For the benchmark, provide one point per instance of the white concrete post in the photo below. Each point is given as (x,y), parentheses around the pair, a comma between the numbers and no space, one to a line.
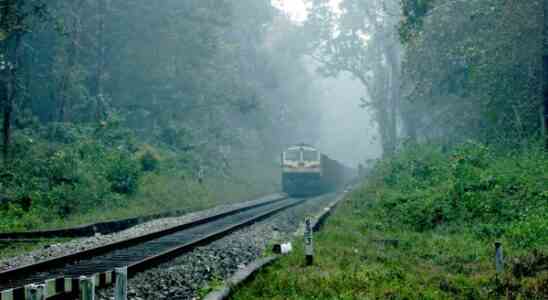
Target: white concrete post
(120,292)
(34,292)
(87,288)
(7,294)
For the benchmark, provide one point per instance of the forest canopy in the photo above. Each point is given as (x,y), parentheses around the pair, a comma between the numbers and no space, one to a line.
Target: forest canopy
(97,96)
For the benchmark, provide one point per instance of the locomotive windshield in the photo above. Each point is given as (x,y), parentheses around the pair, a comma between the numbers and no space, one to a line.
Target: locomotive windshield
(310,155)
(294,155)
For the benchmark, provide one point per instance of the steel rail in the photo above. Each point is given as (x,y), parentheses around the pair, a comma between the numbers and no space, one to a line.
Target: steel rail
(208,238)
(11,278)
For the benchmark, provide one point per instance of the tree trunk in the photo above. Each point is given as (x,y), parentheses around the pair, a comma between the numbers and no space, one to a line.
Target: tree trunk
(72,58)
(384,112)
(395,89)
(411,123)
(7,108)
(543,122)
(391,95)
(544,106)
(98,88)
(5,79)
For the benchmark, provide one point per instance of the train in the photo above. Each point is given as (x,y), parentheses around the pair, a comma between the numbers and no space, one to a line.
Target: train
(307,172)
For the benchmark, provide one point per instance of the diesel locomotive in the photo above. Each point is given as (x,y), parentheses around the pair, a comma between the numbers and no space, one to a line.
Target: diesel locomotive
(306,171)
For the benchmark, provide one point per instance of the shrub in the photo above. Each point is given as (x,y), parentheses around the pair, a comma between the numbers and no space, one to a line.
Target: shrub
(63,167)
(493,193)
(149,158)
(75,174)
(122,172)
(64,133)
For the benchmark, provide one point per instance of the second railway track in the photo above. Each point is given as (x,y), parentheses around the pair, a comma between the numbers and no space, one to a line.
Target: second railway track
(144,252)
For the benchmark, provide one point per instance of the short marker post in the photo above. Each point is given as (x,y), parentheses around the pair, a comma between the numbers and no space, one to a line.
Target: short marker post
(68,285)
(35,292)
(87,288)
(6,295)
(121,284)
(308,241)
(499,258)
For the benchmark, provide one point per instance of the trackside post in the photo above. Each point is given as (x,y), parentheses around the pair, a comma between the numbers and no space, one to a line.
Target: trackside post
(499,258)
(121,284)
(87,288)
(308,241)
(34,292)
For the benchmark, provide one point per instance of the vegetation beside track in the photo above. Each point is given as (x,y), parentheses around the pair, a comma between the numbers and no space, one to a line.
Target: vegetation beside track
(423,227)
(64,175)
(14,248)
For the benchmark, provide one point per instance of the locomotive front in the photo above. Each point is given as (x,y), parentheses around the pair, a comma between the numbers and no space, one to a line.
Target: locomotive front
(301,170)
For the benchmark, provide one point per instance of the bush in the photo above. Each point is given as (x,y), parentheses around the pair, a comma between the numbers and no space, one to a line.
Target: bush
(123,172)
(149,158)
(67,174)
(63,172)
(64,133)
(493,193)
(62,167)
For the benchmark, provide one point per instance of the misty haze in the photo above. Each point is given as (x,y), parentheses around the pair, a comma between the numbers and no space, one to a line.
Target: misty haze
(274,149)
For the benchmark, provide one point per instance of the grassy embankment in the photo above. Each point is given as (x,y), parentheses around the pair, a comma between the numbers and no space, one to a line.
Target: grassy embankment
(423,227)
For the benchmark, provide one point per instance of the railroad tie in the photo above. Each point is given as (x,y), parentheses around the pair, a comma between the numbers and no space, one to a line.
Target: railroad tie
(6,295)
(58,286)
(13,294)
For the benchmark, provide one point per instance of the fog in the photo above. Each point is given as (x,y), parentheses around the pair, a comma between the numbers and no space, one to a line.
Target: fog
(105,102)
(347,131)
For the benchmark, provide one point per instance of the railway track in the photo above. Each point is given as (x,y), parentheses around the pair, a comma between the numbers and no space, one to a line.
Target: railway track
(137,254)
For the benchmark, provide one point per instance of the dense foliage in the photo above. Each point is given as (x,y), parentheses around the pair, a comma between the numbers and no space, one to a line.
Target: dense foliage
(441,70)
(99,98)
(474,69)
(493,194)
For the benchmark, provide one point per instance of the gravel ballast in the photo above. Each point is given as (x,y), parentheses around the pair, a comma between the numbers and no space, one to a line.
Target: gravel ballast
(75,245)
(194,274)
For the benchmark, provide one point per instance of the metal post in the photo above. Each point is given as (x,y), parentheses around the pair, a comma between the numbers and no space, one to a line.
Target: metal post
(121,284)
(6,295)
(87,288)
(34,292)
(308,241)
(499,258)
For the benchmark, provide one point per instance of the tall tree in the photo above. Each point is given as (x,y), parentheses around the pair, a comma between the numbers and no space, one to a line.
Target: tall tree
(544,108)
(361,39)
(15,20)
(465,74)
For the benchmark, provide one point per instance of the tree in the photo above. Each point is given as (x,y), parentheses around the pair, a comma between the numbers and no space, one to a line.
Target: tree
(16,19)
(362,40)
(543,111)
(466,76)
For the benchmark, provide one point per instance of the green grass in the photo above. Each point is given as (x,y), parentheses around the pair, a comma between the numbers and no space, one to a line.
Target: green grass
(16,248)
(157,193)
(423,226)
(353,262)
